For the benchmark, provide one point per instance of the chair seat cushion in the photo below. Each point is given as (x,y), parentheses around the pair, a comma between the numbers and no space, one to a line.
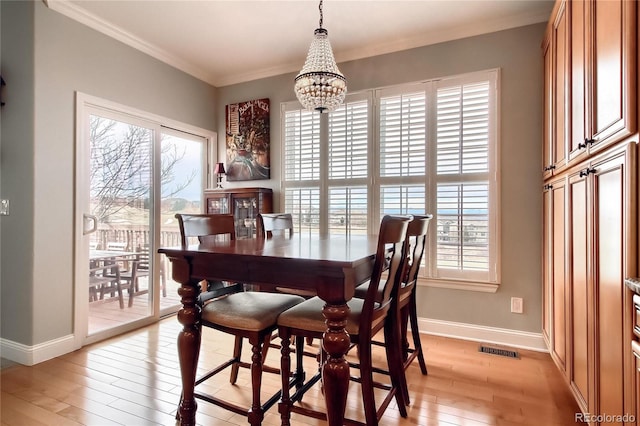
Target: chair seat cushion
(251,311)
(308,316)
(361,290)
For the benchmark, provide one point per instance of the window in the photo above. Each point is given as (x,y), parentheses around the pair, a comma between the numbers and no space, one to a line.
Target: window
(429,147)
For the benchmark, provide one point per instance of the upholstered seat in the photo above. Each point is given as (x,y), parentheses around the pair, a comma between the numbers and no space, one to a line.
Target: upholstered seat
(308,316)
(249,311)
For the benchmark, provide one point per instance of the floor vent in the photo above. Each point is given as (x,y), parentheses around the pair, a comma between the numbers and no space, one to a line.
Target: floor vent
(498,351)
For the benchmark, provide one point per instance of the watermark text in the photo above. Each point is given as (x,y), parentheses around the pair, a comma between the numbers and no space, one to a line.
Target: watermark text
(604,418)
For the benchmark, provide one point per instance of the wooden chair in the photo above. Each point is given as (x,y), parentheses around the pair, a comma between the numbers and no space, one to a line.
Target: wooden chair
(278,223)
(366,318)
(250,315)
(268,225)
(406,300)
(104,277)
(138,268)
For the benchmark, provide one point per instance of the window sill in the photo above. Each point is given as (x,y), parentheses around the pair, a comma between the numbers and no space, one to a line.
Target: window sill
(459,285)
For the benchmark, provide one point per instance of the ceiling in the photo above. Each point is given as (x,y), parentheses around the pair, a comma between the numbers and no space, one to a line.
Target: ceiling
(225,42)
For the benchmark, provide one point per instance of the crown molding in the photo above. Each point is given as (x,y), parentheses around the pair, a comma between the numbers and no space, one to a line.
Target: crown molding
(81,15)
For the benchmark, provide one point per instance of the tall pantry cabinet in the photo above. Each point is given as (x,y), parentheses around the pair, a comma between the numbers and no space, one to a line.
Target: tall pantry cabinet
(590,197)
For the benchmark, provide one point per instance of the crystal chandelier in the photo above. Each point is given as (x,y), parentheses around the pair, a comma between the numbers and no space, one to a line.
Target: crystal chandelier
(320,85)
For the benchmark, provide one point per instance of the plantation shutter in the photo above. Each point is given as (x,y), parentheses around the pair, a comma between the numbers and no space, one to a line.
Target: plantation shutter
(462,149)
(301,167)
(348,150)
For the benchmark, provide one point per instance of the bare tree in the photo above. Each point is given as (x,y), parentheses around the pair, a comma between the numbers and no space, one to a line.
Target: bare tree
(121,169)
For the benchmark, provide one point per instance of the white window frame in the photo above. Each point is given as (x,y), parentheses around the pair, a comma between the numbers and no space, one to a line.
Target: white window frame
(486,281)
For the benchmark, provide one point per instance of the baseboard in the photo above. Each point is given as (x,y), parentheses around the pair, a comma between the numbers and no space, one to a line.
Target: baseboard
(31,355)
(478,333)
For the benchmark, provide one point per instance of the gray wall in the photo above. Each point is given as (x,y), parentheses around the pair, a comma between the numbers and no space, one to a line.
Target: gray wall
(517,53)
(46,59)
(16,169)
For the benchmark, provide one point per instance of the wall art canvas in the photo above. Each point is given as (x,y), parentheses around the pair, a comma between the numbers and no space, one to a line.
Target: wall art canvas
(247,140)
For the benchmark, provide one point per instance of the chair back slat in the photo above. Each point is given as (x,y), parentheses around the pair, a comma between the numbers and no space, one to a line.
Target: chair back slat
(279,223)
(205,225)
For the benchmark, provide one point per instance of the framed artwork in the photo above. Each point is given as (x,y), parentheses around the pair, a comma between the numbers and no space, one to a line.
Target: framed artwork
(247,140)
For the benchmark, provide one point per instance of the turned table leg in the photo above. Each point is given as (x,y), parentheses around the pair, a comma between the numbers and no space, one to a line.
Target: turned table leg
(335,371)
(189,340)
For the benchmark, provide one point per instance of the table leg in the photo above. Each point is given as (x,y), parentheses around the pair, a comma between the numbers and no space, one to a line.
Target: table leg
(189,340)
(335,371)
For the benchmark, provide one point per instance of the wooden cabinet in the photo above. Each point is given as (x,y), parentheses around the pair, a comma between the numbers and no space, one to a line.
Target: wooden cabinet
(578,79)
(612,80)
(243,203)
(590,247)
(589,162)
(590,60)
(614,221)
(555,283)
(603,74)
(556,61)
(580,222)
(635,348)
(635,352)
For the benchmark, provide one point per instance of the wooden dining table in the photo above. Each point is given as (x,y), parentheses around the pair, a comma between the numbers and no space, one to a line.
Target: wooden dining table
(331,265)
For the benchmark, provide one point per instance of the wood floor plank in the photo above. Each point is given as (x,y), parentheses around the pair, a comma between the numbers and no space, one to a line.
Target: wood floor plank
(134,379)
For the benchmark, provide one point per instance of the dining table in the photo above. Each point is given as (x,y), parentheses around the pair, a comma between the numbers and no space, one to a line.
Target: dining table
(331,265)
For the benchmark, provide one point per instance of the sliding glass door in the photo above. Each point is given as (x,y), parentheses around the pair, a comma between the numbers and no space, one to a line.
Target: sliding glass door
(134,173)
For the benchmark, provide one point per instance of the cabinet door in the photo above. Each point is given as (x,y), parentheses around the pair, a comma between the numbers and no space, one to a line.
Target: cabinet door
(580,243)
(547,266)
(635,347)
(217,204)
(547,142)
(245,211)
(614,219)
(613,74)
(561,61)
(559,288)
(578,135)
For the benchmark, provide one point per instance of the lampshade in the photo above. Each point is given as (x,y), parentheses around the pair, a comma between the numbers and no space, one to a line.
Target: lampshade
(219,169)
(320,85)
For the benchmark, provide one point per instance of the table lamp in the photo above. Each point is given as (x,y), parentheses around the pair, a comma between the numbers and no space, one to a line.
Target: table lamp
(219,171)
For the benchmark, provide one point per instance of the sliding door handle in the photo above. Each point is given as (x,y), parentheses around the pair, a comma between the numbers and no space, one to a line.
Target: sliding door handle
(89,224)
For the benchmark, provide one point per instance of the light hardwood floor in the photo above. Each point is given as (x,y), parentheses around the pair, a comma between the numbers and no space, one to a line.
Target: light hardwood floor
(134,380)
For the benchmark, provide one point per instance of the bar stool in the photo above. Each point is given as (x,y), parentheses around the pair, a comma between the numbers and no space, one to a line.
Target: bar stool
(249,315)
(367,317)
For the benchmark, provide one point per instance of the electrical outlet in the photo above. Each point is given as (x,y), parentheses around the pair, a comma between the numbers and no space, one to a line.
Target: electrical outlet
(516,305)
(4,207)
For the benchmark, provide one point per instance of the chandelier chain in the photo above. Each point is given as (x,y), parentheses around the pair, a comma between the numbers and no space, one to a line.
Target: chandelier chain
(320,8)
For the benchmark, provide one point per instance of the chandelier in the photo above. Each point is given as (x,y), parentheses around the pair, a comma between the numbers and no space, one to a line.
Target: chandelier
(320,86)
